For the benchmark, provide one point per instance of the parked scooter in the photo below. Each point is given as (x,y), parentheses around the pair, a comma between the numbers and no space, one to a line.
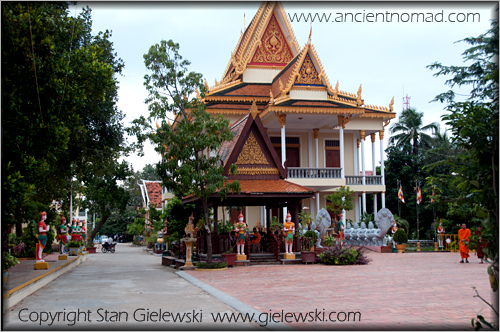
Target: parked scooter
(108,247)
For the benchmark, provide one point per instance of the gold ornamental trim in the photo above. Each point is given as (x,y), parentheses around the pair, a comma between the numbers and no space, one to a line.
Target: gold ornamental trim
(218,87)
(258,170)
(226,111)
(313,110)
(273,46)
(267,67)
(309,88)
(379,115)
(251,153)
(237,99)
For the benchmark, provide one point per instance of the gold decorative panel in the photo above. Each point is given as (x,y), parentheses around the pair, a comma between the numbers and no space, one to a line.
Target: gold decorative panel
(258,171)
(251,153)
(273,47)
(308,73)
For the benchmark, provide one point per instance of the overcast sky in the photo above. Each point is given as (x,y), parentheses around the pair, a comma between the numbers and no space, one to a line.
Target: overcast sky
(388,58)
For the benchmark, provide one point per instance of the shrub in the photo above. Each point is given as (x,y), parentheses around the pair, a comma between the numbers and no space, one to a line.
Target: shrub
(347,255)
(400,237)
(214,265)
(8,261)
(72,244)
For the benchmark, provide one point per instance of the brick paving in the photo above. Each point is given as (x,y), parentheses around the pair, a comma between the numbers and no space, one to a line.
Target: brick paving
(411,291)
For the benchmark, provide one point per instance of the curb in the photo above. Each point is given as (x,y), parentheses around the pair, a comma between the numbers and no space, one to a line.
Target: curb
(17,294)
(233,302)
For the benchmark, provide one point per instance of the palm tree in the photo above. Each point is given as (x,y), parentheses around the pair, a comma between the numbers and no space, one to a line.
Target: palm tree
(408,132)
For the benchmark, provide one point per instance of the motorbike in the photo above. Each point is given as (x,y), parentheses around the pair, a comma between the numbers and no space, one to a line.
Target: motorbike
(108,247)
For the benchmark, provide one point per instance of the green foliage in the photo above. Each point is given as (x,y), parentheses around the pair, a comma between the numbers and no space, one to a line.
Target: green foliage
(345,255)
(308,239)
(367,217)
(341,199)
(305,218)
(474,170)
(177,215)
(212,265)
(58,102)
(400,237)
(8,261)
(184,167)
(73,244)
(275,224)
(330,240)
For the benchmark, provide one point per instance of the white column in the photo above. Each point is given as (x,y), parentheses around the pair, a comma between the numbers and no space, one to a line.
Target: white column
(355,154)
(316,147)
(382,167)
(312,208)
(364,202)
(375,203)
(356,207)
(360,207)
(261,215)
(317,202)
(341,142)
(310,148)
(246,214)
(372,136)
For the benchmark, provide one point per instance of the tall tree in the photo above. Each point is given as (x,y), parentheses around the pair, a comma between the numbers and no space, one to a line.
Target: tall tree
(187,165)
(475,128)
(59,92)
(410,132)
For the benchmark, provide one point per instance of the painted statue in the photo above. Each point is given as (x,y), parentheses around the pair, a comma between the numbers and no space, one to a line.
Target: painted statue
(289,230)
(189,229)
(63,236)
(83,231)
(241,228)
(440,231)
(41,236)
(340,232)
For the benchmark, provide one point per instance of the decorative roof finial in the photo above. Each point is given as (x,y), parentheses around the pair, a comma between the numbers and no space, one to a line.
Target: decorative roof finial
(391,105)
(254,110)
(310,33)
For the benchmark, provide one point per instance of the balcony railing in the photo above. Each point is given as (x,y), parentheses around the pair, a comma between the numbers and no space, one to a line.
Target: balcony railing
(314,173)
(358,180)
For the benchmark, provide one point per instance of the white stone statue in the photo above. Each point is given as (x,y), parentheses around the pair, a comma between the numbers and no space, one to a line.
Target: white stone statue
(321,225)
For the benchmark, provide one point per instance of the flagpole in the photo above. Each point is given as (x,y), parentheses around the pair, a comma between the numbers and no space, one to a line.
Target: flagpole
(418,209)
(399,200)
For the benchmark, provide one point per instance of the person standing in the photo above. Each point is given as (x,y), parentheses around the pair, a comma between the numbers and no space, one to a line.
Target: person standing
(480,245)
(463,237)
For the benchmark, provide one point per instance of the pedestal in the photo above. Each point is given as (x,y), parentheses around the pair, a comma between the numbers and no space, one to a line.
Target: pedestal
(241,257)
(189,252)
(41,266)
(418,246)
(62,257)
(436,248)
(288,256)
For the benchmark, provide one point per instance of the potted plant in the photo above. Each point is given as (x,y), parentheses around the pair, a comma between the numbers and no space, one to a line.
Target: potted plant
(275,225)
(73,248)
(308,239)
(229,257)
(81,245)
(8,261)
(400,238)
(90,246)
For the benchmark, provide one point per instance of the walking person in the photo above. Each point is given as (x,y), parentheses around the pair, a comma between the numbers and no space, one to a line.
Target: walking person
(463,237)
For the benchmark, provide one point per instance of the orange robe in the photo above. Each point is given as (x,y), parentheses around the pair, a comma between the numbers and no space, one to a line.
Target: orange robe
(464,246)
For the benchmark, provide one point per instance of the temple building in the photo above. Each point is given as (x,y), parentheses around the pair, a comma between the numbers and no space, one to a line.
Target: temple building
(304,137)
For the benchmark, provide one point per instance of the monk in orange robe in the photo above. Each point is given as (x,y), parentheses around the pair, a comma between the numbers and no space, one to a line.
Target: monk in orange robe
(463,237)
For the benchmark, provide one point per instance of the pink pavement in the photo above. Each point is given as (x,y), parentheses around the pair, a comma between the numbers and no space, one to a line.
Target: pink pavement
(410,291)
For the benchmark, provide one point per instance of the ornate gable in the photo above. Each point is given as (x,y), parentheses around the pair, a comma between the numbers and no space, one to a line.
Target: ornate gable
(273,48)
(308,74)
(253,152)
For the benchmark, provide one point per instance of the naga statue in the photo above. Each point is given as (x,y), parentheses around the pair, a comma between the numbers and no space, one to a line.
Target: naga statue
(370,236)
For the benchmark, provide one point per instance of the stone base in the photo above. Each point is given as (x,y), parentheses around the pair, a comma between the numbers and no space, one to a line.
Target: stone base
(241,257)
(185,267)
(41,266)
(62,257)
(242,263)
(288,256)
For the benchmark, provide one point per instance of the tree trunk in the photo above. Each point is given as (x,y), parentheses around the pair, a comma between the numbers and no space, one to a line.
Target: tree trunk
(207,228)
(98,227)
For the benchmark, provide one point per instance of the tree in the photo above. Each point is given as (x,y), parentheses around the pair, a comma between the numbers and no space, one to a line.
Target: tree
(104,195)
(59,92)
(188,164)
(409,132)
(341,199)
(474,127)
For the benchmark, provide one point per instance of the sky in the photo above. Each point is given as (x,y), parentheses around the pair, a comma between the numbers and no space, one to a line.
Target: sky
(388,57)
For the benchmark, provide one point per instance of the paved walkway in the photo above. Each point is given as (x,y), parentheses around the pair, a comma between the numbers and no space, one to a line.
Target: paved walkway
(411,291)
(127,290)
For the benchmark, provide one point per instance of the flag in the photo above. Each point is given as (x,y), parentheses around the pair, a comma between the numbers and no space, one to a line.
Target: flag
(419,195)
(400,193)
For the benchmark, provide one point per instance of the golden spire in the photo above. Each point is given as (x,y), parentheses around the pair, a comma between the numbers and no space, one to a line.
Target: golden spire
(310,33)
(391,105)
(206,84)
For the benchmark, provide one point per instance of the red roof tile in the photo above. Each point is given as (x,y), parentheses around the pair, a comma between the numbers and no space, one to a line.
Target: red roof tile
(271,187)
(154,193)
